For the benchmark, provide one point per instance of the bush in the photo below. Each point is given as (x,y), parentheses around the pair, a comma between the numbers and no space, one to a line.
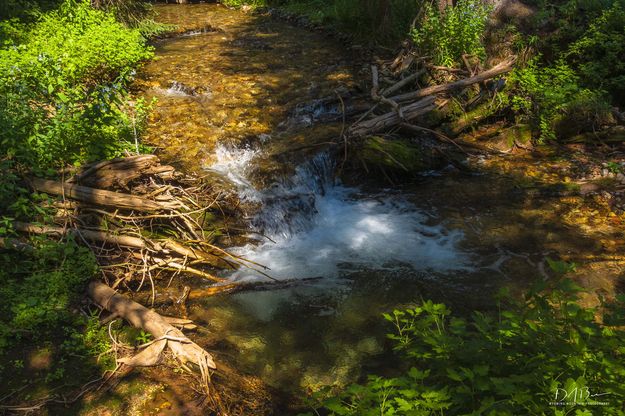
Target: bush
(63,86)
(599,53)
(549,97)
(544,350)
(458,31)
(380,21)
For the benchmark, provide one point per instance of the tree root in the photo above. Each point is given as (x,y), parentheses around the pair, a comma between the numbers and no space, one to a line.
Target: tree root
(164,333)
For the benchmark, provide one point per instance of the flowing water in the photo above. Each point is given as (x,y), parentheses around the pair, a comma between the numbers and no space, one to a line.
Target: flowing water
(231,99)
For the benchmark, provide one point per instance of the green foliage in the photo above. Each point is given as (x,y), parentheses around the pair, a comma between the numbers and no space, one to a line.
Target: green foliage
(384,22)
(550,97)
(25,9)
(38,287)
(63,80)
(449,35)
(129,12)
(544,349)
(598,53)
(63,87)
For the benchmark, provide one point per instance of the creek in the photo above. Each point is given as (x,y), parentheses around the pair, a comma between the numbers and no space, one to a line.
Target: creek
(237,97)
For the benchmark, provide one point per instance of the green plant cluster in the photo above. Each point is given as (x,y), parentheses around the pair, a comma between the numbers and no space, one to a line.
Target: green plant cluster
(543,355)
(64,71)
(39,291)
(63,83)
(38,287)
(458,30)
(578,72)
(552,99)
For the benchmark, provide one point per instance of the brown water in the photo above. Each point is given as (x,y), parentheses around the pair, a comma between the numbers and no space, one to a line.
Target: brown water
(233,98)
(236,83)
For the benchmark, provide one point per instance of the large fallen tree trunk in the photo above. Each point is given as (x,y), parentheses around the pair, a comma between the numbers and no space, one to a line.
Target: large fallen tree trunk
(501,68)
(392,118)
(99,196)
(164,333)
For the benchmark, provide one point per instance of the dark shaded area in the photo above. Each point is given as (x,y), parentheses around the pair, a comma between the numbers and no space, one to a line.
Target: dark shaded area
(25,9)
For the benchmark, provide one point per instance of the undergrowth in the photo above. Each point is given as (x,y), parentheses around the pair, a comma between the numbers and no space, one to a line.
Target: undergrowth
(64,72)
(542,355)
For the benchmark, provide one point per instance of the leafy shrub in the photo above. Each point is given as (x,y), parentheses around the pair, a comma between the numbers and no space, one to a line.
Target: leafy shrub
(598,54)
(25,9)
(542,350)
(384,22)
(63,87)
(551,96)
(447,36)
(379,21)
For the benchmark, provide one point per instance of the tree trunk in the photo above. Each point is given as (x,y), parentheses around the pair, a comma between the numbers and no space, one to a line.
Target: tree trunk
(98,196)
(165,334)
(501,68)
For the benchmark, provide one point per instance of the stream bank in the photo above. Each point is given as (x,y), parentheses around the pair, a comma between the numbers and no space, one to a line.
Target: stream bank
(232,99)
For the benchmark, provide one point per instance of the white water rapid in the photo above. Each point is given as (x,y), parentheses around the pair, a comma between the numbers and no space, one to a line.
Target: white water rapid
(323,229)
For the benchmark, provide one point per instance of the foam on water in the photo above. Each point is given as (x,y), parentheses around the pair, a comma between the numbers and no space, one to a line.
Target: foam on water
(324,230)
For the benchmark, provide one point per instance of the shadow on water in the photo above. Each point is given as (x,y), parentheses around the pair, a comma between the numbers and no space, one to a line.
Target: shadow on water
(241,84)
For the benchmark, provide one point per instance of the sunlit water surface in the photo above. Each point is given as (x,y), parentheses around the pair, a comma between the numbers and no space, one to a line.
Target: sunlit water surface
(231,97)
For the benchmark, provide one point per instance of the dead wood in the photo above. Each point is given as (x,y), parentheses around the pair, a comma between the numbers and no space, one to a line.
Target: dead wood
(120,172)
(14,244)
(165,334)
(100,197)
(163,246)
(391,119)
(501,68)
(402,83)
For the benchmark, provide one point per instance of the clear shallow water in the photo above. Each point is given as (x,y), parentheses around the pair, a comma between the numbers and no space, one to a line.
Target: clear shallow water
(229,101)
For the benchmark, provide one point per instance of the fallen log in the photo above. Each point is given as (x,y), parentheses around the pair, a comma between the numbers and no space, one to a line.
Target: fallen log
(164,333)
(392,118)
(90,235)
(14,244)
(402,83)
(99,196)
(501,68)
(116,239)
(120,163)
(118,173)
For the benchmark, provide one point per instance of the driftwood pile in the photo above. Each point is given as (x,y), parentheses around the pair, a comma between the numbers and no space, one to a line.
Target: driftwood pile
(404,100)
(144,221)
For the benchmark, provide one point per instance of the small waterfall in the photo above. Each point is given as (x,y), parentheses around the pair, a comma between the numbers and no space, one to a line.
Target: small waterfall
(321,228)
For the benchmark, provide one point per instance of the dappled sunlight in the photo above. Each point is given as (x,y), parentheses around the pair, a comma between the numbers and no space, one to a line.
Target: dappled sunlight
(239,81)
